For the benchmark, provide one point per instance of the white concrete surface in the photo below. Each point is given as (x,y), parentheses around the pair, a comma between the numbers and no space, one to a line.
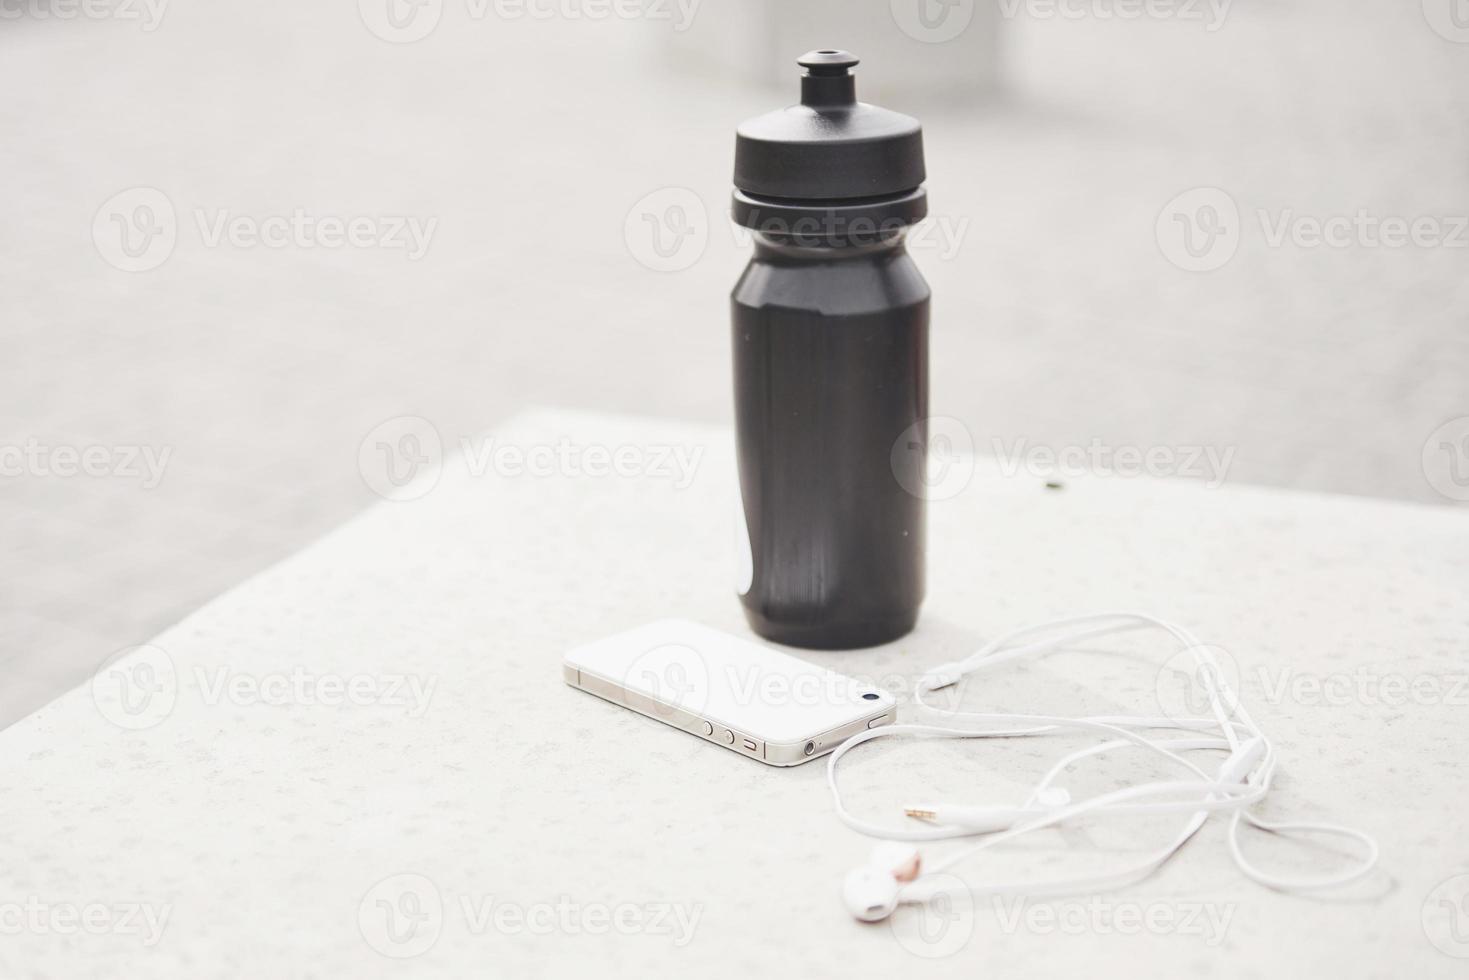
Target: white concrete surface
(466,812)
(1057,318)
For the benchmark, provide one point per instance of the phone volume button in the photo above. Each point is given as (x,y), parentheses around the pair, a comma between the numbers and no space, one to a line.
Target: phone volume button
(707,728)
(728,736)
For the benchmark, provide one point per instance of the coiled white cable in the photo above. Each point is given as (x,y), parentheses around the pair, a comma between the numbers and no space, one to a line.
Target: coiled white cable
(1243,780)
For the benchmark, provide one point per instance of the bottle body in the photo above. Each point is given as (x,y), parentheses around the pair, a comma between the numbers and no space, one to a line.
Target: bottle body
(831,397)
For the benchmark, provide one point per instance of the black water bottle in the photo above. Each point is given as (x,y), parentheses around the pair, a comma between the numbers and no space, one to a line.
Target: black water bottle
(831,366)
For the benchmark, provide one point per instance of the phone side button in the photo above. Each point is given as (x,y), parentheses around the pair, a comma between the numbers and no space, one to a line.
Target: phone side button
(750,745)
(879,720)
(728,736)
(706,728)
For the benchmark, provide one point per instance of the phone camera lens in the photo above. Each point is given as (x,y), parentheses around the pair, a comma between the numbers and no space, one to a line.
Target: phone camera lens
(869,696)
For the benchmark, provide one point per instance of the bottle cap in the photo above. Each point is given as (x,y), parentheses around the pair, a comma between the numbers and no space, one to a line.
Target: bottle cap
(829,160)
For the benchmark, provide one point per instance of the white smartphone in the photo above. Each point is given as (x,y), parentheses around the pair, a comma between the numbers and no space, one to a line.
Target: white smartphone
(747,697)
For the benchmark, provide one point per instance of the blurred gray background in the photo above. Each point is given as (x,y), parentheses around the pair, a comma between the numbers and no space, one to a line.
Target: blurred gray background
(549,140)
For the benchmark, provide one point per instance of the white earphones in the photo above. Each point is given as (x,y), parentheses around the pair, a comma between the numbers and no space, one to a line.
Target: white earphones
(871,891)
(893,875)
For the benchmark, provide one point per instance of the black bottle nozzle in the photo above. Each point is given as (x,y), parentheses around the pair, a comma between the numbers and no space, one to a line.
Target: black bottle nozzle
(828,82)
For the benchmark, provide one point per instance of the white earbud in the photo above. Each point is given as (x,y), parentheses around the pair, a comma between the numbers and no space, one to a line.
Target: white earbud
(871,891)
(871,894)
